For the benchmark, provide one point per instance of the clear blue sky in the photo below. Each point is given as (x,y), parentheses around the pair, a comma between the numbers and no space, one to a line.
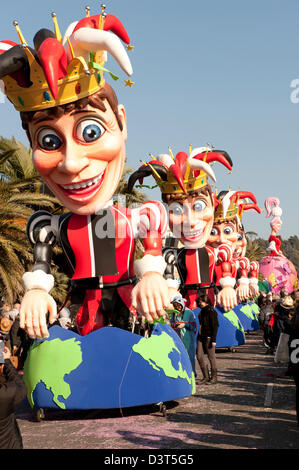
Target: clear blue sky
(216,71)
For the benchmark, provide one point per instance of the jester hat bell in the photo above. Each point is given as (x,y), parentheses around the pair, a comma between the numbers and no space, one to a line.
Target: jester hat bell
(60,70)
(183,173)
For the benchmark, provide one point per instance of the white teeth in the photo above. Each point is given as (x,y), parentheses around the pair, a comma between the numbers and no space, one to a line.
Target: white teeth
(83,185)
(193,234)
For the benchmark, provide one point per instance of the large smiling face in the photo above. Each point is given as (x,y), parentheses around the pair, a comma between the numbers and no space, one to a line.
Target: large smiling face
(191,219)
(80,155)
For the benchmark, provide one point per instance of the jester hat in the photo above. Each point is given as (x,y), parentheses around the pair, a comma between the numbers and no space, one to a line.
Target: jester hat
(232,204)
(183,173)
(60,70)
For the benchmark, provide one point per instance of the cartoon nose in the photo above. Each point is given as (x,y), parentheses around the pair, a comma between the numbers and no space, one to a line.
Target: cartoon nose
(190,218)
(223,237)
(74,160)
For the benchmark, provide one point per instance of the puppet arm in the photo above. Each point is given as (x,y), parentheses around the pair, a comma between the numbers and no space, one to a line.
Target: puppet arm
(253,278)
(150,295)
(243,281)
(227,296)
(37,302)
(170,259)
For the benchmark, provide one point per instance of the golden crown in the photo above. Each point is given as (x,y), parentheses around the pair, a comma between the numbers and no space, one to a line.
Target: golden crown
(63,70)
(183,173)
(181,178)
(232,204)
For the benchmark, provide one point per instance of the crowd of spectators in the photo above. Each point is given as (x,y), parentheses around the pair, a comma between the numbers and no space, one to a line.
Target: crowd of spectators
(277,312)
(279,315)
(14,337)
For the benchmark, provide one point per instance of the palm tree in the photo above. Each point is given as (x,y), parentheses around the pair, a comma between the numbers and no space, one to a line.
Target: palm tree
(16,161)
(61,286)
(15,251)
(254,251)
(19,197)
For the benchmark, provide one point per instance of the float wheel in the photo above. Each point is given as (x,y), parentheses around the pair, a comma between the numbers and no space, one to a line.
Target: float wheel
(39,414)
(162,408)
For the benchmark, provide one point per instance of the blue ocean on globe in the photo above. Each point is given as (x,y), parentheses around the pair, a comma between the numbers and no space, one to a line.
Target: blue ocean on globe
(247,316)
(230,331)
(109,368)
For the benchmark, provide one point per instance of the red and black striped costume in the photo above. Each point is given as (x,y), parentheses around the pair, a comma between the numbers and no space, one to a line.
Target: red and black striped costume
(198,269)
(99,250)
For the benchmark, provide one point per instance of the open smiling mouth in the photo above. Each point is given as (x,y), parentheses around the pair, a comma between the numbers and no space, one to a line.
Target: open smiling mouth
(194,235)
(83,190)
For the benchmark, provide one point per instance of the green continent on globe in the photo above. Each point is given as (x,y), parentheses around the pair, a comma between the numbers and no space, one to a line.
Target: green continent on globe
(49,362)
(255,308)
(247,310)
(155,350)
(232,317)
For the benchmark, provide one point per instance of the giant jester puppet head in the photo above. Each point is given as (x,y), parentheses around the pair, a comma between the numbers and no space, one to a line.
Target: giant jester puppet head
(183,181)
(72,118)
(228,226)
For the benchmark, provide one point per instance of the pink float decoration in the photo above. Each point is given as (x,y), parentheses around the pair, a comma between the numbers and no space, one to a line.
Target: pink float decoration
(275,268)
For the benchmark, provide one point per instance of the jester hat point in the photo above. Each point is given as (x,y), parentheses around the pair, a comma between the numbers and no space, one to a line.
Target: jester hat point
(60,70)
(183,173)
(232,204)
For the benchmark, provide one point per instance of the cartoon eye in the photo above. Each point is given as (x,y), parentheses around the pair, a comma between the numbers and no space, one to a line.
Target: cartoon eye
(48,139)
(214,231)
(228,230)
(89,130)
(199,205)
(176,209)
(239,237)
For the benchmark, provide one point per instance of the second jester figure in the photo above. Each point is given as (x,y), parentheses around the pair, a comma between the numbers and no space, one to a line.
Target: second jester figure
(183,181)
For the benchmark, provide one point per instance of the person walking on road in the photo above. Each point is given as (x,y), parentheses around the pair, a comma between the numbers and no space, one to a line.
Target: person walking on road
(206,339)
(12,393)
(184,323)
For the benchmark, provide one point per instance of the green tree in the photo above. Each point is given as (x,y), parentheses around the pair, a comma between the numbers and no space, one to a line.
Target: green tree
(254,250)
(16,161)
(19,197)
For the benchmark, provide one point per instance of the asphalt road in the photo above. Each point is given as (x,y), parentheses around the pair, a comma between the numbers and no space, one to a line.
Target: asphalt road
(251,407)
